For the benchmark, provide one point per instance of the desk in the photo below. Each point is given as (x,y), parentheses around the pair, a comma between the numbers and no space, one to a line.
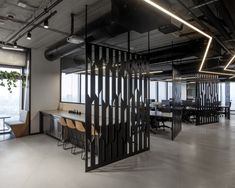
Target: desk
(226,110)
(4,130)
(65,114)
(161,117)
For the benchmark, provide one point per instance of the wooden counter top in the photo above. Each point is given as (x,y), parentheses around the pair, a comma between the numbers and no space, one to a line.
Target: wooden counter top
(65,114)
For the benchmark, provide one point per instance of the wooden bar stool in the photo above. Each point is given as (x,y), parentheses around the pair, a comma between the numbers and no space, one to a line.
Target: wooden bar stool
(81,142)
(72,134)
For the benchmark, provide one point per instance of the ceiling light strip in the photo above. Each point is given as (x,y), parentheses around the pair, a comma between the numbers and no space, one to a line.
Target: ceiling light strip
(229,63)
(192,27)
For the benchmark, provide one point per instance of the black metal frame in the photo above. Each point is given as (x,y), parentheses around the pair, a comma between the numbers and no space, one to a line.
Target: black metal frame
(121,118)
(207,99)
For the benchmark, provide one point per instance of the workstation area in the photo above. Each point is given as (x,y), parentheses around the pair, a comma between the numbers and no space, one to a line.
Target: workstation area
(110,93)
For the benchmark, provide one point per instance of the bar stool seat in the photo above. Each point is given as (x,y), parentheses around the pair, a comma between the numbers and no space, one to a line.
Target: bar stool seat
(81,137)
(72,135)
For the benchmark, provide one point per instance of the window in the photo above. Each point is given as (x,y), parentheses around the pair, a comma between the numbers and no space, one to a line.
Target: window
(161,91)
(222,93)
(183,91)
(11,103)
(232,95)
(169,85)
(153,90)
(70,88)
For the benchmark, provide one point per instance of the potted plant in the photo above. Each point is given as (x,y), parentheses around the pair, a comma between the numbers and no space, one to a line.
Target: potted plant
(9,79)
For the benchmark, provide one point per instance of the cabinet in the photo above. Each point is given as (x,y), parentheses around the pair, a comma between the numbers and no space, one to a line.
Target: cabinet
(49,125)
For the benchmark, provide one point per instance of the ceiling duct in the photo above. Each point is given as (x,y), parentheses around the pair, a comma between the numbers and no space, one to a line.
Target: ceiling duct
(124,15)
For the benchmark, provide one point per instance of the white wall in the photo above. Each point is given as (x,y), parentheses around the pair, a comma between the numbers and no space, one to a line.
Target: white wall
(45,84)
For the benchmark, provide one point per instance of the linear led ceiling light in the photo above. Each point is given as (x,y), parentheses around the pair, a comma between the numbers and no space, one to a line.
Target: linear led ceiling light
(232,77)
(192,27)
(229,63)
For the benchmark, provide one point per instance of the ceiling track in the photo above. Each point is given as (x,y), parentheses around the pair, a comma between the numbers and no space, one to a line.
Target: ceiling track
(39,23)
(34,20)
(39,26)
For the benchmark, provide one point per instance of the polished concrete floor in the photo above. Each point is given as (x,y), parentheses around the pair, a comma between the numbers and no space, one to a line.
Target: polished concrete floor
(200,157)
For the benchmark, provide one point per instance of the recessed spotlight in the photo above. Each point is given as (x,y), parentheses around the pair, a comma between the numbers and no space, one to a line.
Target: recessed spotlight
(11,15)
(46,25)
(29,36)
(22,4)
(15,44)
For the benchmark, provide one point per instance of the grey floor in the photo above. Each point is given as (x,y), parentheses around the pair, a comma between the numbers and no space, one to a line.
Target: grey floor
(200,157)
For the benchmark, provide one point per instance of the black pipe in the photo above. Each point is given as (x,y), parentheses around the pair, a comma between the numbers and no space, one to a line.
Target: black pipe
(35,19)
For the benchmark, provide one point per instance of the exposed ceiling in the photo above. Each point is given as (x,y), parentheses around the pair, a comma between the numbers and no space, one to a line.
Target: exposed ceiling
(216,17)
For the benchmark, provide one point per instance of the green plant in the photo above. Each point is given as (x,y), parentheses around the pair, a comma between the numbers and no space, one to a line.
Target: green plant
(11,78)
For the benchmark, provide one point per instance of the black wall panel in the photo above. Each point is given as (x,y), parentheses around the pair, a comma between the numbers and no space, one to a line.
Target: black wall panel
(207,98)
(116,105)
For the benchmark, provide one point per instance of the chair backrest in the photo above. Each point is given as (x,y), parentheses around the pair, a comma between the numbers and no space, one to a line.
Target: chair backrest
(165,103)
(23,116)
(93,131)
(80,127)
(62,122)
(70,124)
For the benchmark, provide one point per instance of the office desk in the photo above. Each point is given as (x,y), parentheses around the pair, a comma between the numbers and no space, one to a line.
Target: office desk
(226,110)
(162,117)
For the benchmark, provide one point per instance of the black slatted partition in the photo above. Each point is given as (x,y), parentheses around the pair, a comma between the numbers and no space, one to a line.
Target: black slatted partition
(227,93)
(207,86)
(177,108)
(116,105)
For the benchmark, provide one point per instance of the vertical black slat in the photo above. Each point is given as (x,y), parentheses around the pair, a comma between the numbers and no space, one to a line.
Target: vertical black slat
(148,104)
(111,126)
(118,125)
(131,104)
(137,105)
(102,140)
(88,106)
(115,107)
(135,108)
(132,107)
(145,97)
(121,130)
(141,108)
(95,114)
(99,77)
(129,77)
(107,98)
(125,133)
